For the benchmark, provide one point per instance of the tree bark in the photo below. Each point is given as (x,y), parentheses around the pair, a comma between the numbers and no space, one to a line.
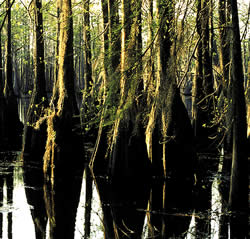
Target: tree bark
(202,114)
(150,68)
(129,110)
(238,195)
(39,100)
(34,137)
(225,103)
(55,93)
(87,48)
(11,102)
(203,92)
(64,140)
(111,94)
(168,131)
(3,132)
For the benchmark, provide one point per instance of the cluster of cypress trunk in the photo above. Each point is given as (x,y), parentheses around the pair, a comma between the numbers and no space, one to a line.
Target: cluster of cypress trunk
(143,130)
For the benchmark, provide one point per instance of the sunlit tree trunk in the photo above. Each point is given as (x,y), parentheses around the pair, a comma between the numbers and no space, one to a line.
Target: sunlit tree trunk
(39,100)
(64,141)
(224,45)
(238,196)
(128,161)
(87,47)
(150,74)
(55,94)
(111,79)
(128,114)
(34,138)
(88,102)
(112,44)
(169,135)
(105,14)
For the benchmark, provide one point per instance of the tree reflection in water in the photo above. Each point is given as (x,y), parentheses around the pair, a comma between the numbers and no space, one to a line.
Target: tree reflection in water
(106,210)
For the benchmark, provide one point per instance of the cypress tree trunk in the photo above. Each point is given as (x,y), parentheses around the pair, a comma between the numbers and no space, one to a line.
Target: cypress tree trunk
(150,74)
(238,195)
(128,125)
(34,138)
(55,93)
(223,104)
(88,103)
(12,109)
(112,52)
(203,83)
(87,47)
(64,142)
(112,45)
(8,85)
(203,114)
(105,15)
(3,133)
(169,136)
(128,161)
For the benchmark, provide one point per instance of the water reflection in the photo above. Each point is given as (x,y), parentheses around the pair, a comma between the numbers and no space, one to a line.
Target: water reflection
(6,184)
(123,204)
(33,181)
(125,209)
(14,212)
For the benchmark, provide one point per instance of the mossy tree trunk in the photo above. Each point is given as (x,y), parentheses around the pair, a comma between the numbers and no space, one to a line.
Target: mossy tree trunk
(128,161)
(150,66)
(111,80)
(105,14)
(238,195)
(169,136)
(112,45)
(63,158)
(34,138)
(55,93)
(88,108)
(128,125)
(203,92)
(87,47)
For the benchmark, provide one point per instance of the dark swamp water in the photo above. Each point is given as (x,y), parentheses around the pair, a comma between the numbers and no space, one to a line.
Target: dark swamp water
(98,209)
(128,209)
